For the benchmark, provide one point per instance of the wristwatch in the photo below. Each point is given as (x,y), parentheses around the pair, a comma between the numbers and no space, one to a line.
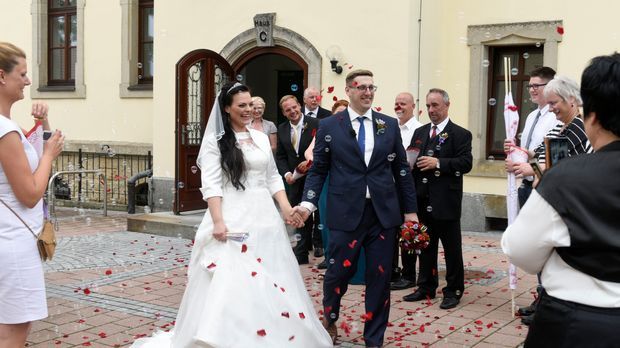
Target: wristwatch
(437,165)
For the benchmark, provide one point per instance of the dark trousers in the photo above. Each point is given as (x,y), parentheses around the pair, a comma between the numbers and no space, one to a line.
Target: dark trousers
(560,323)
(524,191)
(317,237)
(344,250)
(449,232)
(408,260)
(305,243)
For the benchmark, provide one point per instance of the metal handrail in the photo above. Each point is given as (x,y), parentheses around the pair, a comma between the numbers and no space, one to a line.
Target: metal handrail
(50,189)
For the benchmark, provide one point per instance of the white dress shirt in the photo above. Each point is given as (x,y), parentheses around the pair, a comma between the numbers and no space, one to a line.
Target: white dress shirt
(407,130)
(314,112)
(545,123)
(530,242)
(440,127)
(369,134)
(299,127)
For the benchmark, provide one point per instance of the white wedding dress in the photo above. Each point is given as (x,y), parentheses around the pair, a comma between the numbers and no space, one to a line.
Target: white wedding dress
(244,294)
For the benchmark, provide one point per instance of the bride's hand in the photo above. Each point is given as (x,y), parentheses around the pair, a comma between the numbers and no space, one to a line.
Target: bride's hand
(219,231)
(291,217)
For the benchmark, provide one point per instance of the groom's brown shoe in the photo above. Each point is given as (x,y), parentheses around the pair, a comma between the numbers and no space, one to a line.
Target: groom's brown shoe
(332,330)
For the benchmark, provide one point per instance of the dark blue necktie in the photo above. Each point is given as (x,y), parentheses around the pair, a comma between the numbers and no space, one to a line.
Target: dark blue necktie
(361,135)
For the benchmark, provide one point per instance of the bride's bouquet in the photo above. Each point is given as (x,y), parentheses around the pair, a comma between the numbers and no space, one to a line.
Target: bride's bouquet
(414,237)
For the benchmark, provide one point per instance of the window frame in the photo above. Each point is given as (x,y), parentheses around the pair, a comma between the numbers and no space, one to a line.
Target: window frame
(40,68)
(480,38)
(129,86)
(144,4)
(66,12)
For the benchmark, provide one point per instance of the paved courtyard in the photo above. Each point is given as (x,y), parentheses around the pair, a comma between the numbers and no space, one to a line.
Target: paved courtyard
(106,287)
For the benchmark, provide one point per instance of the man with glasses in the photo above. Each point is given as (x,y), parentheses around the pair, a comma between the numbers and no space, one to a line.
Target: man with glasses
(363,153)
(312,104)
(538,123)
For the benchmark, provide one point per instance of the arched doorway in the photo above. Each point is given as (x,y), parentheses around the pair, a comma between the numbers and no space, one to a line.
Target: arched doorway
(272,72)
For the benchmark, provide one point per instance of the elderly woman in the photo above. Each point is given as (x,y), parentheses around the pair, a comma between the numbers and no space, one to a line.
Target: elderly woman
(23,180)
(262,125)
(569,230)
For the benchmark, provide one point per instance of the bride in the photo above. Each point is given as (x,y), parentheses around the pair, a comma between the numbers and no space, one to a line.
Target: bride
(244,286)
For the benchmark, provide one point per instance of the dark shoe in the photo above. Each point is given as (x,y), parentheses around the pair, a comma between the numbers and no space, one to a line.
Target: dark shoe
(449,302)
(402,284)
(318,252)
(395,275)
(322,265)
(302,260)
(332,330)
(527,311)
(417,296)
(528,320)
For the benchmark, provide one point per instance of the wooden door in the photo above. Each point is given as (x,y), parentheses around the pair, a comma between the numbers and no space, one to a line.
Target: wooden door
(200,75)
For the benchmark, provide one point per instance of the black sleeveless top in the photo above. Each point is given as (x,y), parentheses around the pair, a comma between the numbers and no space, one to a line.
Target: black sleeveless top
(585,191)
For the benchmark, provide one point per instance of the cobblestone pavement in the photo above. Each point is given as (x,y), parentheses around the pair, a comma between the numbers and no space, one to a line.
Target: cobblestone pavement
(106,287)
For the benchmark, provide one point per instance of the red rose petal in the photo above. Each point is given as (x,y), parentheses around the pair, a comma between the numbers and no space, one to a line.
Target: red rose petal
(367,317)
(285,314)
(382,236)
(352,244)
(291,338)
(108,272)
(261,333)
(337,290)
(244,248)
(381,270)
(212,265)
(421,328)
(345,327)
(86,291)
(302,315)
(346,263)
(102,335)
(328,309)
(330,89)
(478,322)
(378,108)
(335,98)
(86,344)
(282,289)
(259,260)
(560,30)
(254,274)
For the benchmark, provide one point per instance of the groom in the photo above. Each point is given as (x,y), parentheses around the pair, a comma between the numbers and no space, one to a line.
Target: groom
(369,189)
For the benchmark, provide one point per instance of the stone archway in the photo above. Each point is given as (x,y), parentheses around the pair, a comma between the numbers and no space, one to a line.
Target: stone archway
(245,41)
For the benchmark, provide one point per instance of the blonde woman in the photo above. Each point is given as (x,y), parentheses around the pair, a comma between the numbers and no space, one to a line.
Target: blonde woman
(262,125)
(23,179)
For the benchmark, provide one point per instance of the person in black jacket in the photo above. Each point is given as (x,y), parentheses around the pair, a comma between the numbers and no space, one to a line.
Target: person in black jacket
(444,157)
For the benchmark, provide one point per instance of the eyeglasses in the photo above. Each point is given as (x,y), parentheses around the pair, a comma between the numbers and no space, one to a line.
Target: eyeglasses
(535,86)
(363,88)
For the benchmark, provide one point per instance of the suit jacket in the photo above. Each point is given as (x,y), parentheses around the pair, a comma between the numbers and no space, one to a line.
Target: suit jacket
(286,157)
(336,152)
(442,189)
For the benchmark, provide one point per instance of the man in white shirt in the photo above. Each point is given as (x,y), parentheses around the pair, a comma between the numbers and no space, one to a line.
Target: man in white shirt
(538,123)
(404,107)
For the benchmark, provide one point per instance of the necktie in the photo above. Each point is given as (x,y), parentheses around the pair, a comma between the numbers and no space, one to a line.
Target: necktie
(310,114)
(361,135)
(529,135)
(434,132)
(294,138)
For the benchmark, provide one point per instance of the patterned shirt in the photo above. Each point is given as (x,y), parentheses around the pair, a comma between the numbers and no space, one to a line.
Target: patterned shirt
(576,135)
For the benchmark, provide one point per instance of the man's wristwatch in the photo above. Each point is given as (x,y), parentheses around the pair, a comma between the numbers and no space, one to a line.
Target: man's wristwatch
(437,165)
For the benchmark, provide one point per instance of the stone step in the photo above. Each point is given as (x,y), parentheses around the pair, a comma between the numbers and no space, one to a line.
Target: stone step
(166,223)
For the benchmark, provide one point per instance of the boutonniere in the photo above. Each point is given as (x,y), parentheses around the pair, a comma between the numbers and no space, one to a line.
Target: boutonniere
(442,137)
(313,134)
(381,127)
(303,129)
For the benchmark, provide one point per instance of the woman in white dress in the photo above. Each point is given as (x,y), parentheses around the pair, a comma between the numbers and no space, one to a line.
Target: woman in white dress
(23,180)
(242,293)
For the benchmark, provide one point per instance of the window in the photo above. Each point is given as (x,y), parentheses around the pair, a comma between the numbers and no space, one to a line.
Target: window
(62,42)
(58,49)
(137,41)
(523,60)
(145,43)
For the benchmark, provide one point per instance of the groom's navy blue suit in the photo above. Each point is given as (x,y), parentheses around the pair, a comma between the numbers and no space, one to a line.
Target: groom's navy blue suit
(356,221)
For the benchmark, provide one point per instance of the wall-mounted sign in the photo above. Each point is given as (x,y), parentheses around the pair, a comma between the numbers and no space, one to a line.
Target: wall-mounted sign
(263,24)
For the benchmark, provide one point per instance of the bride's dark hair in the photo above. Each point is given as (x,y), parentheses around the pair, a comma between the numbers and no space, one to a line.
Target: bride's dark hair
(231,158)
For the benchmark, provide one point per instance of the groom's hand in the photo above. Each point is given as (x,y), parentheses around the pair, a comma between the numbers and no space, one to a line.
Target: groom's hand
(412,217)
(304,213)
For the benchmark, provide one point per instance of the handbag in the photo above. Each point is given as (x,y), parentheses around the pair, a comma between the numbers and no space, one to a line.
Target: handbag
(46,241)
